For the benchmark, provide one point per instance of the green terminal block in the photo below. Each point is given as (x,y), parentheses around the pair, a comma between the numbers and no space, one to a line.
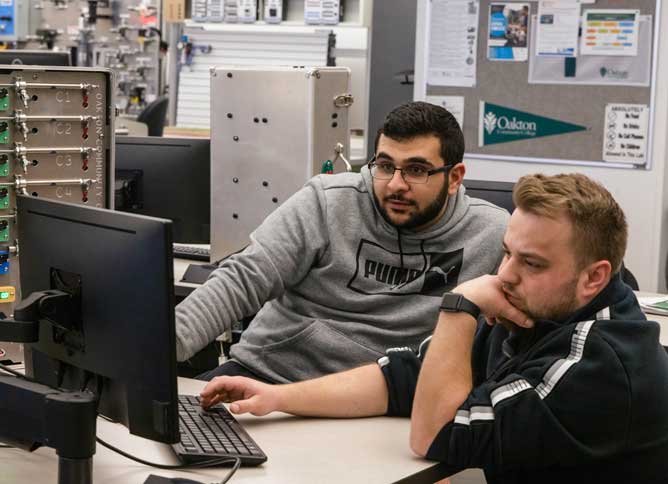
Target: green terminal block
(4,198)
(4,133)
(4,164)
(4,99)
(327,167)
(4,230)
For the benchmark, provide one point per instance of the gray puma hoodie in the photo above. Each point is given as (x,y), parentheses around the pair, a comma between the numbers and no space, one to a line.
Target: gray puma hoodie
(334,284)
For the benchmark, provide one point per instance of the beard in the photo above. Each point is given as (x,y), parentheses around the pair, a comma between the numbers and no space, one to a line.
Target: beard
(555,309)
(420,217)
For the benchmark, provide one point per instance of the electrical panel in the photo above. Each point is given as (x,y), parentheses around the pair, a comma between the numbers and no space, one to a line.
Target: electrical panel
(273,11)
(56,141)
(272,128)
(244,11)
(328,12)
(133,53)
(122,35)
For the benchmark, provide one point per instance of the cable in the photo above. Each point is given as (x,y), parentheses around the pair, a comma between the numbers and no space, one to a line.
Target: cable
(205,463)
(17,374)
(234,469)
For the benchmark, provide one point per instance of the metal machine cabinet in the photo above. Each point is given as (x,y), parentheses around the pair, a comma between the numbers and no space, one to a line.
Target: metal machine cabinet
(272,128)
(56,141)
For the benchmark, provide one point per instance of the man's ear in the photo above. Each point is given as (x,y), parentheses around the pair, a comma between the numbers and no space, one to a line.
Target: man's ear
(594,278)
(455,178)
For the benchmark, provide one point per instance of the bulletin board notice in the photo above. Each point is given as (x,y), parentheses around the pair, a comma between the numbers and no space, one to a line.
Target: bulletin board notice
(548,81)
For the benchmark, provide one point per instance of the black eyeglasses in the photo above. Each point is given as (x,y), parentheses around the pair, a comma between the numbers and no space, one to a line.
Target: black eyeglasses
(411,173)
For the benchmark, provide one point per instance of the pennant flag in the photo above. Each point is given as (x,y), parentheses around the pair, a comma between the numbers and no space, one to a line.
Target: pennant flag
(499,124)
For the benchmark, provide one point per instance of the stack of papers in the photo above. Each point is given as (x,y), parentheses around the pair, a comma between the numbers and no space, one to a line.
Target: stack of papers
(654,305)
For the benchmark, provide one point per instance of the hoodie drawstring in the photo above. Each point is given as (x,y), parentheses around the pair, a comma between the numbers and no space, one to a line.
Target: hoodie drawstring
(401,251)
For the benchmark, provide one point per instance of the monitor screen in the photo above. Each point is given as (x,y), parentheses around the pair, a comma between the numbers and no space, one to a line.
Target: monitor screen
(498,193)
(114,334)
(35,57)
(167,178)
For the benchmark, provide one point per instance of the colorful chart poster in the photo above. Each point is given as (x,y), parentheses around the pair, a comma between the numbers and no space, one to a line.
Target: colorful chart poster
(610,32)
(500,124)
(625,135)
(508,30)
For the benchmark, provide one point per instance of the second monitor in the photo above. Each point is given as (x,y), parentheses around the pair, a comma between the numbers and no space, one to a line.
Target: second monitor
(35,57)
(166,178)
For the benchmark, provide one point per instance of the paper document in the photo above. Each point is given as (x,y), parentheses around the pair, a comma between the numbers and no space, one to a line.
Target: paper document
(558,25)
(454,104)
(452,42)
(610,32)
(625,134)
(654,305)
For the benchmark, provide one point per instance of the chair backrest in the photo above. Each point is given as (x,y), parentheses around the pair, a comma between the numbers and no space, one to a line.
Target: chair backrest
(498,193)
(154,116)
(628,278)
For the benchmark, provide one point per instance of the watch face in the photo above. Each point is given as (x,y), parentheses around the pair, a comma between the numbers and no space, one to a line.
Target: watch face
(450,301)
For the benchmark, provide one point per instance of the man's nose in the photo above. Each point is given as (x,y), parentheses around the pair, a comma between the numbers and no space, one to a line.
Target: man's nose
(508,271)
(397,182)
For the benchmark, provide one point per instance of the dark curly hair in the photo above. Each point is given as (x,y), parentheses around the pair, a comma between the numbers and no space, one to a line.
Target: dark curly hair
(419,119)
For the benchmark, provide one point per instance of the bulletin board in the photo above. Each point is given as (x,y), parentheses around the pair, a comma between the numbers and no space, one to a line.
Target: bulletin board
(582,93)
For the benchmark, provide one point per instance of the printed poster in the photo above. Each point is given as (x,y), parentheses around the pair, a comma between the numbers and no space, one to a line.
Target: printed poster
(558,26)
(508,31)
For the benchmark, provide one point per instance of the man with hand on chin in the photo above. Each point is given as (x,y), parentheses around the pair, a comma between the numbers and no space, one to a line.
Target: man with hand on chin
(562,379)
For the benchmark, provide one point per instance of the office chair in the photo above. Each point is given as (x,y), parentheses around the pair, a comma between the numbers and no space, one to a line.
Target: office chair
(628,278)
(154,116)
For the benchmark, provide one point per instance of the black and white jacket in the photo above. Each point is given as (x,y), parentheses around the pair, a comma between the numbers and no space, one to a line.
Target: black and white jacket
(579,401)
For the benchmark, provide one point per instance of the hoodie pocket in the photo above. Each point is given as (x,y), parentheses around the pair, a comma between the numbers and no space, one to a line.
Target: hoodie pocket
(317,350)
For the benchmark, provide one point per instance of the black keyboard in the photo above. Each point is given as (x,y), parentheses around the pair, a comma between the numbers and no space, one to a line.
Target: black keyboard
(213,434)
(184,251)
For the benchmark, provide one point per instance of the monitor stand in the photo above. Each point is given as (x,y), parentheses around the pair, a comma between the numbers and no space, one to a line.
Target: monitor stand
(33,415)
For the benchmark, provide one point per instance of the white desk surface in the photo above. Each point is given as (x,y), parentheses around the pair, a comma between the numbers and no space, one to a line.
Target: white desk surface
(299,450)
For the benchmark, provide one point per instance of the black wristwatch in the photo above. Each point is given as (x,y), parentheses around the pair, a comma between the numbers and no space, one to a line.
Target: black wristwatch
(456,303)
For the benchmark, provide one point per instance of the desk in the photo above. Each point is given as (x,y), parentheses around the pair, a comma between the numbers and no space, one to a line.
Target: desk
(182,289)
(300,450)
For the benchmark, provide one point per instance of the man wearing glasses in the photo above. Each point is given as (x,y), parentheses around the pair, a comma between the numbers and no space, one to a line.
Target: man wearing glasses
(352,263)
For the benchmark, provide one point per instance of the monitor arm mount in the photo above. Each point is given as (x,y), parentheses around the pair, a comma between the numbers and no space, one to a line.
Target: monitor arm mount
(33,415)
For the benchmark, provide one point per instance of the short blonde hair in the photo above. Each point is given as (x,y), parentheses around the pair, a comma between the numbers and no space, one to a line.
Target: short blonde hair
(600,231)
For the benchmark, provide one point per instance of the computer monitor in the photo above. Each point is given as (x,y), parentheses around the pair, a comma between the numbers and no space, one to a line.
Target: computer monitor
(168,178)
(114,334)
(498,193)
(35,57)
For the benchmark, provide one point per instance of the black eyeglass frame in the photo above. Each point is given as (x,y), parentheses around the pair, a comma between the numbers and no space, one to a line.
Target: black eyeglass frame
(443,169)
